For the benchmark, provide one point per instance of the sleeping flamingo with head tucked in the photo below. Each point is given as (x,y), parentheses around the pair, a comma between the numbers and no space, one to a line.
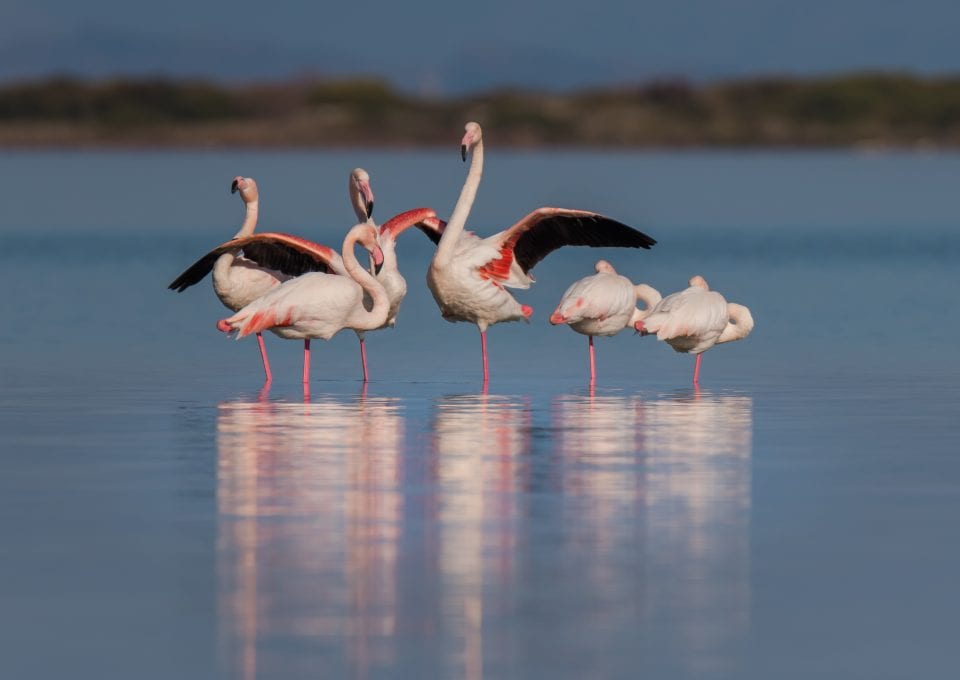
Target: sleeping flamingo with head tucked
(469,275)
(696,319)
(603,304)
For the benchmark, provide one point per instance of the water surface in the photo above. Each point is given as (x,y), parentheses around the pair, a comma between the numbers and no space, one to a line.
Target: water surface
(164,517)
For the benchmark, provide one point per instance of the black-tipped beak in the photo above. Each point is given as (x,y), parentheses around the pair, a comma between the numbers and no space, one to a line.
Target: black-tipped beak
(369,209)
(463,152)
(377,268)
(235,186)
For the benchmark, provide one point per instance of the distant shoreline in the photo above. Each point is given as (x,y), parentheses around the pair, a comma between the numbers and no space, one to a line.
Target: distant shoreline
(860,111)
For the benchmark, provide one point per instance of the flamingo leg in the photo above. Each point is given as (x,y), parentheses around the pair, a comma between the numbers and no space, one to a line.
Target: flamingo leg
(306,361)
(483,349)
(593,366)
(263,356)
(363,359)
(696,370)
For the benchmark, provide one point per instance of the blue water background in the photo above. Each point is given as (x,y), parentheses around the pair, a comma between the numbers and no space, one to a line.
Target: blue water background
(161,517)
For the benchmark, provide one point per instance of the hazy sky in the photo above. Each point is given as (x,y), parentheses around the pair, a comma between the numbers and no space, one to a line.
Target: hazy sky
(435,45)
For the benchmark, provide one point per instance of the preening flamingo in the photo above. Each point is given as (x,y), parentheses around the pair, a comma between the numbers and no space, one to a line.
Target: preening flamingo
(237,280)
(603,304)
(319,305)
(469,275)
(696,319)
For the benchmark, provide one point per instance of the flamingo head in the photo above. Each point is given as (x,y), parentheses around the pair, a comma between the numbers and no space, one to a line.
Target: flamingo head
(367,237)
(362,193)
(471,137)
(699,282)
(604,267)
(247,188)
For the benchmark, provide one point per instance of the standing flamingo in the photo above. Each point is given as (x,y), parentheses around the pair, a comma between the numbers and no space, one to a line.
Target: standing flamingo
(293,256)
(237,280)
(603,304)
(468,275)
(696,319)
(317,304)
(388,273)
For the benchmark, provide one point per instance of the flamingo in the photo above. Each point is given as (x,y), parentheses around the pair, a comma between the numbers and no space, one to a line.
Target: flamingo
(388,273)
(318,304)
(289,256)
(696,319)
(468,275)
(237,280)
(603,304)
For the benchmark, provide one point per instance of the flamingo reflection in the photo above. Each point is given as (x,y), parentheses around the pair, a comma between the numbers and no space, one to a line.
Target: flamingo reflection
(481,443)
(668,479)
(698,448)
(309,518)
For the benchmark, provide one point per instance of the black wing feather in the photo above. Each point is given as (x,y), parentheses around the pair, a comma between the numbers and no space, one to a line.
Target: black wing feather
(595,231)
(270,255)
(283,258)
(195,273)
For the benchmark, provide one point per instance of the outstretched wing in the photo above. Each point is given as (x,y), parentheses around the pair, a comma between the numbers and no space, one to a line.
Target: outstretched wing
(288,254)
(546,229)
(423,218)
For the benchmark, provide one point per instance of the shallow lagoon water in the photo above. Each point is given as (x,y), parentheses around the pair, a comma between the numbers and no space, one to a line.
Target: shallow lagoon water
(163,517)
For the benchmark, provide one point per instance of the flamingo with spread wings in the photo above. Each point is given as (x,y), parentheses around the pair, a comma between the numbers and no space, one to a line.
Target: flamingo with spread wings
(237,280)
(696,319)
(469,275)
(603,304)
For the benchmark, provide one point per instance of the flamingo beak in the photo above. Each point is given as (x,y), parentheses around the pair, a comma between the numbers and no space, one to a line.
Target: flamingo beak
(235,186)
(377,257)
(463,152)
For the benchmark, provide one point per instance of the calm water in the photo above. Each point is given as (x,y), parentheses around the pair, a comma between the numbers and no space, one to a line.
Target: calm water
(796,518)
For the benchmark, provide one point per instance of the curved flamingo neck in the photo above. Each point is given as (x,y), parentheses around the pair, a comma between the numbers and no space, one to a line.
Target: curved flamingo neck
(377,315)
(458,219)
(249,219)
(739,325)
(649,296)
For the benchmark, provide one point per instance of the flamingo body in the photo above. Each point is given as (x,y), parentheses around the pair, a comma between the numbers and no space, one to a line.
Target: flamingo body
(689,321)
(602,304)
(314,305)
(463,294)
(694,320)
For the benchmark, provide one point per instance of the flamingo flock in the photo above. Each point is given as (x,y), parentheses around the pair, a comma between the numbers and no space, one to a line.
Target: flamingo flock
(299,289)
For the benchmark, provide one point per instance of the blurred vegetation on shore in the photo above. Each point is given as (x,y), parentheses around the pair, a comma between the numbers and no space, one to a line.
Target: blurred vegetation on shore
(863,109)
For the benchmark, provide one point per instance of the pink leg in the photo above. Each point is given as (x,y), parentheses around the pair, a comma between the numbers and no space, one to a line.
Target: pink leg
(263,355)
(363,359)
(696,370)
(483,347)
(306,361)
(593,366)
